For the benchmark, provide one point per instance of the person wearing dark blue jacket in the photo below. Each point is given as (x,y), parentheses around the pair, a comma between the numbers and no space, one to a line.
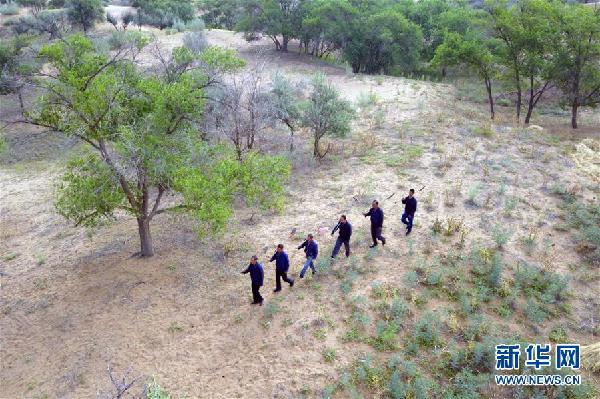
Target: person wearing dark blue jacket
(410,207)
(376,214)
(345,229)
(282,264)
(256,276)
(311,249)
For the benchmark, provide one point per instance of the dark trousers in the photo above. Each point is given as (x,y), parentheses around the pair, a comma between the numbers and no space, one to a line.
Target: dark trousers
(376,235)
(257,298)
(407,219)
(281,275)
(338,245)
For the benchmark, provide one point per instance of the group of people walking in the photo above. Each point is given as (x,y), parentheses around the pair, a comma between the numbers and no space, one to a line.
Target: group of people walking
(311,248)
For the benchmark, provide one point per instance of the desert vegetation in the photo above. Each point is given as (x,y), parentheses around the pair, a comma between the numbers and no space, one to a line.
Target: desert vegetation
(149,148)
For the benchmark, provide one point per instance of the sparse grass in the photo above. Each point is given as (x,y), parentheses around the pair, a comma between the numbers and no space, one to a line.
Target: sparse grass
(408,155)
(10,256)
(320,334)
(330,355)
(175,327)
(271,309)
(40,259)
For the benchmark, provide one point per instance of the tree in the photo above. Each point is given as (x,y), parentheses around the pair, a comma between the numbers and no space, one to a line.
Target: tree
(241,111)
(273,18)
(325,28)
(383,40)
(164,13)
(508,28)
(538,19)
(85,13)
(578,57)
(473,51)
(142,139)
(325,113)
(284,97)
(223,14)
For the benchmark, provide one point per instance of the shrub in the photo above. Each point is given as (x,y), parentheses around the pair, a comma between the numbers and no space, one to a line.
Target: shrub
(386,336)
(558,335)
(548,287)
(155,391)
(427,330)
(271,309)
(535,313)
(9,9)
(329,355)
(472,194)
(585,218)
(500,235)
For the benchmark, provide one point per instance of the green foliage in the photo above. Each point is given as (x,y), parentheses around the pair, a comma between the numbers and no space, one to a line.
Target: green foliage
(155,391)
(558,335)
(386,336)
(9,9)
(407,156)
(326,113)
(271,309)
(85,13)
(548,287)
(585,219)
(223,14)
(88,192)
(473,193)
(500,235)
(330,355)
(382,40)
(146,124)
(426,331)
(164,13)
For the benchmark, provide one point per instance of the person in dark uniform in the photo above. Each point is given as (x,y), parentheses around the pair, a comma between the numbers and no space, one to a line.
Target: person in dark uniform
(311,249)
(376,214)
(410,208)
(256,276)
(282,264)
(345,229)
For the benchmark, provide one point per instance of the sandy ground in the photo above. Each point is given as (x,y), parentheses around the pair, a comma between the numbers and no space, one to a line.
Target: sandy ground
(74,301)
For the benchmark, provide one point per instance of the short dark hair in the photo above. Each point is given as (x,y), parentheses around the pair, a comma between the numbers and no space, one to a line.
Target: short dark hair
(412,190)
(310,235)
(375,201)
(280,246)
(254,257)
(343,217)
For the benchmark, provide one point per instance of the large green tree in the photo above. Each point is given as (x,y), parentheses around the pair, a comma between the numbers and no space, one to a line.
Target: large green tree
(473,51)
(142,137)
(383,40)
(578,57)
(280,20)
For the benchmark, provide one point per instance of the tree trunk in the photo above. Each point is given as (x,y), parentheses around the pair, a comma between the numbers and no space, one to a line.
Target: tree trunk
(531,101)
(488,86)
(574,107)
(316,152)
(146,246)
(284,44)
